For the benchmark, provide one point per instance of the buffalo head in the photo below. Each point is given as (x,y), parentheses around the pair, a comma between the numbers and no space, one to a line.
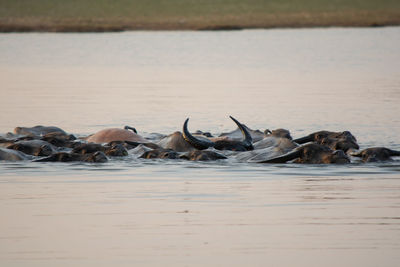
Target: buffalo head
(221,144)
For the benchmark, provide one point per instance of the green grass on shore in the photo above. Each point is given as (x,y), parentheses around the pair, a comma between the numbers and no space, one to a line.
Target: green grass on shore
(115,15)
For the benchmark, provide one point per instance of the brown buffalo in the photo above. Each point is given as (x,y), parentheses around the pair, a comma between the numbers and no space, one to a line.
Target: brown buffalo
(375,154)
(115,134)
(312,154)
(334,140)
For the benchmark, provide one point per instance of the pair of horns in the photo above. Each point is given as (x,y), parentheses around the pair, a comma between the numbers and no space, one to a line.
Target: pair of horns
(205,143)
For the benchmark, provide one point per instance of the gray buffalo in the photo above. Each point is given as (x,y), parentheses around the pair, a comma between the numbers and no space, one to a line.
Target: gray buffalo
(34,147)
(335,140)
(312,154)
(116,150)
(375,154)
(12,155)
(72,157)
(38,130)
(267,148)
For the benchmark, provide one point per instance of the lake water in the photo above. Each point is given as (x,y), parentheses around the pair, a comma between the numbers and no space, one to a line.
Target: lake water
(130,212)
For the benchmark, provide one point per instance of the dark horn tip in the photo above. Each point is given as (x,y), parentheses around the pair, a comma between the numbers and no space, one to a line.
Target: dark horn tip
(248,140)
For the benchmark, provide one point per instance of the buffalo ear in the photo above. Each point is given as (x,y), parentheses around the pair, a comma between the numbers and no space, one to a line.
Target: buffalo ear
(284,158)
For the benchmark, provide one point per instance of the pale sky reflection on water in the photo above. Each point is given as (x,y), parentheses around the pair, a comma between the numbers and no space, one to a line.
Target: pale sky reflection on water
(150,213)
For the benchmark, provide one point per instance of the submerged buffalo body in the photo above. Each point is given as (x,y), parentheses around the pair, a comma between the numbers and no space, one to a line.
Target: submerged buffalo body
(117,150)
(267,148)
(176,142)
(34,147)
(375,154)
(312,154)
(50,143)
(71,157)
(115,134)
(334,140)
(12,155)
(38,130)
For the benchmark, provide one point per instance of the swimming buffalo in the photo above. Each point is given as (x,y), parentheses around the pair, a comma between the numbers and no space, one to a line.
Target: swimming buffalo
(71,157)
(269,147)
(375,154)
(116,150)
(220,143)
(312,154)
(12,155)
(34,147)
(237,134)
(202,155)
(196,155)
(38,130)
(115,134)
(50,143)
(334,140)
(59,139)
(160,153)
(283,133)
(175,141)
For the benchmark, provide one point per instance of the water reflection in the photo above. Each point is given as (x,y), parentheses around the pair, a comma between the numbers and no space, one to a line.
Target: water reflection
(131,212)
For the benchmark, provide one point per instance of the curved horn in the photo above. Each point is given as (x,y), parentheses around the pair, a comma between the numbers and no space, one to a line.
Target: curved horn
(304,139)
(284,158)
(193,141)
(248,140)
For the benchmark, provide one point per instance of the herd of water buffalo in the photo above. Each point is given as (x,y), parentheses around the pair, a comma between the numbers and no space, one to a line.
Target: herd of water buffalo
(49,143)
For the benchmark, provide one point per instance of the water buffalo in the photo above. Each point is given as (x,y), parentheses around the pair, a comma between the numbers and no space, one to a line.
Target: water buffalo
(71,157)
(222,143)
(60,139)
(202,155)
(334,140)
(313,154)
(12,155)
(115,134)
(243,145)
(195,155)
(116,150)
(38,130)
(34,147)
(237,134)
(269,147)
(175,141)
(5,142)
(160,153)
(375,154)
(278,133)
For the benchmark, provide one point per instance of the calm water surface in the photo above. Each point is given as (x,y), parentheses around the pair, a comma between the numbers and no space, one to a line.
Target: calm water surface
(131,212)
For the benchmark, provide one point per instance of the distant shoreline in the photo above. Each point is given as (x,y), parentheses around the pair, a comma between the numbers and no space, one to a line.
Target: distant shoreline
(162,15)
(99,28)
